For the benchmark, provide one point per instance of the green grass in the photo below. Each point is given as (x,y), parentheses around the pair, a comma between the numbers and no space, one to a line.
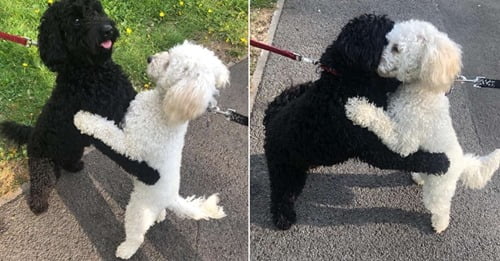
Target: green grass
(146,27)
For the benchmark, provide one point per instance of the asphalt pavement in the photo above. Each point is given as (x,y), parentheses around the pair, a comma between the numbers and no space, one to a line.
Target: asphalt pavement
(356,212)
(85,217)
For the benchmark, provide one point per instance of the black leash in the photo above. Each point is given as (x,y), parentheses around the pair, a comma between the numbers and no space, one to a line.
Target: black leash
(480,82)
(230,115)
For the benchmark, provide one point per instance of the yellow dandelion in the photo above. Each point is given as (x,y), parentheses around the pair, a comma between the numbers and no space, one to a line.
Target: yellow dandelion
(210,10)
(146,86)
(128,31)
(25,65)
(162,14)
(50,2)
(243,40)
(181,3)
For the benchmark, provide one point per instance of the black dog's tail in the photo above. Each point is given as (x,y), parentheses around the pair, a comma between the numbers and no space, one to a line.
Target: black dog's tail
(16,132)
(283,99)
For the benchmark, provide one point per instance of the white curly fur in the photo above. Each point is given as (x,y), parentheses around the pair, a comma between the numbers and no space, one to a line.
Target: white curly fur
(418,117)
(187,78)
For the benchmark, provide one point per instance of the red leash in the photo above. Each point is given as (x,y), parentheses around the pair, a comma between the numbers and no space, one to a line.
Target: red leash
(292,55)
(17,39)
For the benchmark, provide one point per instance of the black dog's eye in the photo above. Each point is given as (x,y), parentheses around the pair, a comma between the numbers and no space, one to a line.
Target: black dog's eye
(395,49)
(76,22)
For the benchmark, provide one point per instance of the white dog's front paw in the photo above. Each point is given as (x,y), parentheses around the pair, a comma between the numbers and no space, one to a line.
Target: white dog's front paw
(360,111)
(211,209)
(161,216)
(440,222)
(417,178)
(83,120)
(127,249)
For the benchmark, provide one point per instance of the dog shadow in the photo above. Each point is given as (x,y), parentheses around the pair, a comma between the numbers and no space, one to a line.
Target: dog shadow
(326,198)
(97,198)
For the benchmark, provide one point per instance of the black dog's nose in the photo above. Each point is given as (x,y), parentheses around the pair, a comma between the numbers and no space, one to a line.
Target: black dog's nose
(107,29)
(150,58)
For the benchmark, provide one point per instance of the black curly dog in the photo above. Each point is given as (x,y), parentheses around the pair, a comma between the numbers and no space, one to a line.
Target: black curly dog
(306,126)
(75,40)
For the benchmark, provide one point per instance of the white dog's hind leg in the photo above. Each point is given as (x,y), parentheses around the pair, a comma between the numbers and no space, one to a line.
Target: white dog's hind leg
(142,212)
(418,178)
(479,170)
(198,208)
(161,216)
(438,192)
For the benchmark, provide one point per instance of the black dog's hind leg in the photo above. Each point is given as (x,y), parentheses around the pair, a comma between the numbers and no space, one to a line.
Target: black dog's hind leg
(287,183)
(380,156)
(43,177)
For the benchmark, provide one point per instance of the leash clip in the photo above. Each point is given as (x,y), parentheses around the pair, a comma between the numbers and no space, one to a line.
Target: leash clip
(230,115)
(30,42)
(475,81)
(217,110)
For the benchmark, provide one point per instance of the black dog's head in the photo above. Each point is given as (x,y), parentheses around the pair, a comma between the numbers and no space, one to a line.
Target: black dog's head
(75,32)
(359,46)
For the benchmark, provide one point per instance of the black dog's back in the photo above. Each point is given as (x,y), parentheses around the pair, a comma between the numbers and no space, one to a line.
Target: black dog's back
(283,99)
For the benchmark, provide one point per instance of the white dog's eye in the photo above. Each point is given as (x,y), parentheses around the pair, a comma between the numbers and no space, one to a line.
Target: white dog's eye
(395,48)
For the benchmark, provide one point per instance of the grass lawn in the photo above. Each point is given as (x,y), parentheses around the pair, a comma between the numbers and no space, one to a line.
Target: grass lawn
(146,27)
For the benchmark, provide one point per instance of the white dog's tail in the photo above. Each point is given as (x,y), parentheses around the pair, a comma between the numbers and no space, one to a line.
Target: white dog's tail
(479,170)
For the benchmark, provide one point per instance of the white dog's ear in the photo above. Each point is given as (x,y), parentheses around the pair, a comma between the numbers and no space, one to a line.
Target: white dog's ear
(441,63)
(185,100)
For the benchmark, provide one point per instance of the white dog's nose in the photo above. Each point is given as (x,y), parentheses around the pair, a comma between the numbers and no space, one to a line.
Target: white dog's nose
(150,58)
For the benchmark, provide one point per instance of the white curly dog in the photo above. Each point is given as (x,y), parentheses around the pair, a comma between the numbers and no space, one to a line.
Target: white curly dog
(187,77)
(426,61)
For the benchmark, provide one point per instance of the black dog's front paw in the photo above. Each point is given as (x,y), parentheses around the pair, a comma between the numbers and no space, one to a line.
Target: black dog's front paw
(148,175)
(439,165)
(430,163)
(284,217)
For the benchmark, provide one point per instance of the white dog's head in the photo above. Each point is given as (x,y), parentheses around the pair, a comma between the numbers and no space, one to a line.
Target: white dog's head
(189,76)
(417,51)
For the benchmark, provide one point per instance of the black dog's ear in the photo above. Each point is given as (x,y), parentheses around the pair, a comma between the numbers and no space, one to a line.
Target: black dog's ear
(359,45)
(50,43)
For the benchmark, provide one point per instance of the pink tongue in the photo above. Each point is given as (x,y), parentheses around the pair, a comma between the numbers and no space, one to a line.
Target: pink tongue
(107,44)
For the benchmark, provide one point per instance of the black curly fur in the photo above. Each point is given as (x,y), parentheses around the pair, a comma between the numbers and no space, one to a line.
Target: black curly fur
(20,134)
(69,40)
(306,126)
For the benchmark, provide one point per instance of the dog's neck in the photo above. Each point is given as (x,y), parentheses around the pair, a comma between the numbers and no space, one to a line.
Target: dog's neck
(71,67)
(419,89)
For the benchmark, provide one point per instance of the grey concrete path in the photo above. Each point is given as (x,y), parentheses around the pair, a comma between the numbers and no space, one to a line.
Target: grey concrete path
(353,211)
(85,218)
